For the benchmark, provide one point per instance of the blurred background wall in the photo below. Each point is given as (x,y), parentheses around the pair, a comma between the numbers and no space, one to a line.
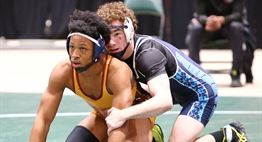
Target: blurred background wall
(47,19)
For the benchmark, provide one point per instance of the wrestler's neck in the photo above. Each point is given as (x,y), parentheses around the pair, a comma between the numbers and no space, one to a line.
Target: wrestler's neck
(95,70)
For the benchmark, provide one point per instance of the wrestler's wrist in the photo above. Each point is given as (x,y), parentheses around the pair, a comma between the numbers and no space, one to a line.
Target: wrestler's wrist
(125,114)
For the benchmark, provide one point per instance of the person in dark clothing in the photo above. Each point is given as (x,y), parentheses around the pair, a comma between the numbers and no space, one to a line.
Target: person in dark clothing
(218,19)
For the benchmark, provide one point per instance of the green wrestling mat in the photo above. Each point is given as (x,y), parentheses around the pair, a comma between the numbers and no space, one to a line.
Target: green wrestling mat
(17,113)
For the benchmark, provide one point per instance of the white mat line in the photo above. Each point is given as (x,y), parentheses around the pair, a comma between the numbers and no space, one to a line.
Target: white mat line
(87,113)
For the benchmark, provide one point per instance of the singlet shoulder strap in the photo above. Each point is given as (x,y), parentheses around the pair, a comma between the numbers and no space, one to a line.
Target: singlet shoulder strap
(106,68)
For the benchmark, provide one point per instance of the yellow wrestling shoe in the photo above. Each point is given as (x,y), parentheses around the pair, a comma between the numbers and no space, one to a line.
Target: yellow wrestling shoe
(158,135)
(239,130)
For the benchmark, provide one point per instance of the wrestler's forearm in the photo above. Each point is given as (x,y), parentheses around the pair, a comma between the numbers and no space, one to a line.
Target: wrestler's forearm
(155,106)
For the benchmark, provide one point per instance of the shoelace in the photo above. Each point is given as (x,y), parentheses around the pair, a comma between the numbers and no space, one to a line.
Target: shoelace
(241,137)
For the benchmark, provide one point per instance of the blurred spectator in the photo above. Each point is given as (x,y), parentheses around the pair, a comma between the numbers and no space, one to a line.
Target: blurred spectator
(218,19)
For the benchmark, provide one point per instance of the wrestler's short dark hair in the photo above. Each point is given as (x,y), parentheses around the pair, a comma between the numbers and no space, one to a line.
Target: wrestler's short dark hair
(89,23)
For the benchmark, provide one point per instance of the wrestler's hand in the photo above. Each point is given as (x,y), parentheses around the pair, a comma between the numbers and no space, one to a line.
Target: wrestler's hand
(114,119)
(103,112)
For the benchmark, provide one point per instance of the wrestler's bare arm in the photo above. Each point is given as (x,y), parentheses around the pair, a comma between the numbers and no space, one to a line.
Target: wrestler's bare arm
(49,103)
(120,83)
(161,95)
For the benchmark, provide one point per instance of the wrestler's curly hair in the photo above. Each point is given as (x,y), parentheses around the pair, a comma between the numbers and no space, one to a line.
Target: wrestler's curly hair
(116,11)
(89,23)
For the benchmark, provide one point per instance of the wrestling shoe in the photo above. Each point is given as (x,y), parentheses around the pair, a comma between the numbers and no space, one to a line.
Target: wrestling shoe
(235,132)
(158,135)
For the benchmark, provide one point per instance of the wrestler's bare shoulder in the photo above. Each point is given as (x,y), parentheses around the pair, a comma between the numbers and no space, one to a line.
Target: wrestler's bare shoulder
(118,64)
(120,68)
(62,70)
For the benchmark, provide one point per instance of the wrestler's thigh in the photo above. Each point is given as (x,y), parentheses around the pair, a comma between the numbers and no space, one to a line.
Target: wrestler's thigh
(185,129)
(140,130)
(97,125)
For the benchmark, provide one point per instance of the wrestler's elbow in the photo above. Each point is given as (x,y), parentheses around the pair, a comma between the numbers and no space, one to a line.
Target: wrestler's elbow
(169,106)
(167,103)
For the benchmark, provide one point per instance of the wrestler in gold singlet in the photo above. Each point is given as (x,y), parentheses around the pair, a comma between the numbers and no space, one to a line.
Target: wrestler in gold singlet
(105,101)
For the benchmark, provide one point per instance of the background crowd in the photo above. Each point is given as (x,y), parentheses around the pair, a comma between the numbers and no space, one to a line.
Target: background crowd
(37,19)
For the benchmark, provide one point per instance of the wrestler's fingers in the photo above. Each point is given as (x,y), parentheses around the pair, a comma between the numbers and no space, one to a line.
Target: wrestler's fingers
(110,110)
(109,130)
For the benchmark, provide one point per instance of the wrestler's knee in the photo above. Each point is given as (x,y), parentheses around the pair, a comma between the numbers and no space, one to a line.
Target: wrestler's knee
(81,134)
